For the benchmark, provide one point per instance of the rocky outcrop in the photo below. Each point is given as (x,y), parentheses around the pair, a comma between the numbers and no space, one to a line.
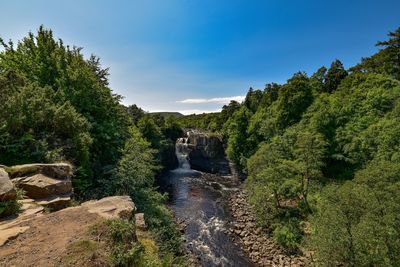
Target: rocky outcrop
(41,186)
(55,170)
(48,184)
(206,153)
(7,190)
(261,248)
(111,207)
(41,239)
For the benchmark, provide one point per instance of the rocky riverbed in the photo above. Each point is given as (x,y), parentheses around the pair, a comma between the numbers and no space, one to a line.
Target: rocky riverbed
(260,248)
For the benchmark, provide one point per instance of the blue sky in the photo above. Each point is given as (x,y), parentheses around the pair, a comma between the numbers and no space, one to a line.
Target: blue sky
(194,55)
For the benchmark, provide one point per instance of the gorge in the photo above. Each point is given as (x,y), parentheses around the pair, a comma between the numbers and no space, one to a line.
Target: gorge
(199,201)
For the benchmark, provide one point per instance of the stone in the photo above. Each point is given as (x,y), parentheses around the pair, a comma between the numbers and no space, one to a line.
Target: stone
(41,186)
(112,207)
(206,153)
(55,170)
(56,202)
(139,221)
(7,190)
(11,233)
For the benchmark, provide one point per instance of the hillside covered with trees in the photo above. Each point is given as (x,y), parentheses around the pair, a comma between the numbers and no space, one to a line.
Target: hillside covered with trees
(322,158)
(57,106)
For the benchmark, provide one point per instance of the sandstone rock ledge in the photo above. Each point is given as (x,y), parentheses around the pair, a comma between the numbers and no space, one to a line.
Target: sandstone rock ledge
(260,248)
(40,239)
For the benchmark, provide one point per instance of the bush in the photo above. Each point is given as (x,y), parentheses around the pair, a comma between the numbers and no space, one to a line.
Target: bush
(288,234)
(120,234)
(11,207)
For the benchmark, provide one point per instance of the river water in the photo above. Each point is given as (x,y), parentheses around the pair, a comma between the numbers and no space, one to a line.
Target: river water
(200,202)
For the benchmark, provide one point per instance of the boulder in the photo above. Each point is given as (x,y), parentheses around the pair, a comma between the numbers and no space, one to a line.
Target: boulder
(111,207)
(7,190)
(55,202)
(40,186)
(56,170)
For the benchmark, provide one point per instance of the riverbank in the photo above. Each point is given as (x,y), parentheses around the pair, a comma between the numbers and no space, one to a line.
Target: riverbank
(260,248)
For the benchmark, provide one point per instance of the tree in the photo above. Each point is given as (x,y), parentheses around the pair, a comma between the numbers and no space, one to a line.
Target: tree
(392,49)
(335,74)
(236,129)
(357,223)
(45,62)
(309,151)
(386,61)
(150,131)
(136,169)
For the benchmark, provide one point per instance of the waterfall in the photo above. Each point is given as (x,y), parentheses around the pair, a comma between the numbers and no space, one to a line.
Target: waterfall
(182,152)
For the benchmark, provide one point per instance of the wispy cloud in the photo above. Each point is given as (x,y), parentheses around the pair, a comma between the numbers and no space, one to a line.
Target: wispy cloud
(190,111)
(219,100)
(197,111)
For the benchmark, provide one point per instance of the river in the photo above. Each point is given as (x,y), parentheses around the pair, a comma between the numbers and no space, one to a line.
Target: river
(200,201)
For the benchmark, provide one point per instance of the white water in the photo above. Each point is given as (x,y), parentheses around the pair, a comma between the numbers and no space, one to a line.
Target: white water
(202,207)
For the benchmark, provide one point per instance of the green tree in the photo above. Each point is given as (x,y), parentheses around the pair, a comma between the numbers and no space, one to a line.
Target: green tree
(309,152)
(386,61)
(236,129)
(357,223)
(42,60)
(335,74)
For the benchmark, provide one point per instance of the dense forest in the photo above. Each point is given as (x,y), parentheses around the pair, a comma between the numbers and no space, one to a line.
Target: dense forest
(57,106)
(321,154)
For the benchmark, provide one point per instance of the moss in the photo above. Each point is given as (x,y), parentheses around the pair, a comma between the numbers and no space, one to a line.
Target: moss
(22,170)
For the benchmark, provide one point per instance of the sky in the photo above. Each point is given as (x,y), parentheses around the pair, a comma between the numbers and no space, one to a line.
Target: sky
(194,56)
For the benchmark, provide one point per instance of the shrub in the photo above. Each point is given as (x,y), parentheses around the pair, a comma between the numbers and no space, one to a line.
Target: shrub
(288,234)
(11,207)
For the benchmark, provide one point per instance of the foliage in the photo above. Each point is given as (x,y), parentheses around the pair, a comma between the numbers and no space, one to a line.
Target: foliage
(135,177)
(54,83)
(11,207)
(358,222)
(120,236)
(387,60)
(326,149)
(57,106)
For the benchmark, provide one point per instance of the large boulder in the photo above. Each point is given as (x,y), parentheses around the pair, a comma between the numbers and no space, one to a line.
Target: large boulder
(55,170)
(48,184)
(111,207)
(7,190)
(42,186)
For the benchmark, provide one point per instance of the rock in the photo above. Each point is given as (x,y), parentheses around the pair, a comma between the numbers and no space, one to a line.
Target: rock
(55,170)
(139,221)
(11,233)
(111,207)
(7,190)
(42,186)
(206,153)
(55,202)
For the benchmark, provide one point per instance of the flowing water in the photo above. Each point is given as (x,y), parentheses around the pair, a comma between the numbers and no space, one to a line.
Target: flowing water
(200,203)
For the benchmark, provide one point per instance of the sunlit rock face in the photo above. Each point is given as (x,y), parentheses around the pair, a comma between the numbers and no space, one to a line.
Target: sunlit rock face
(206,152)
